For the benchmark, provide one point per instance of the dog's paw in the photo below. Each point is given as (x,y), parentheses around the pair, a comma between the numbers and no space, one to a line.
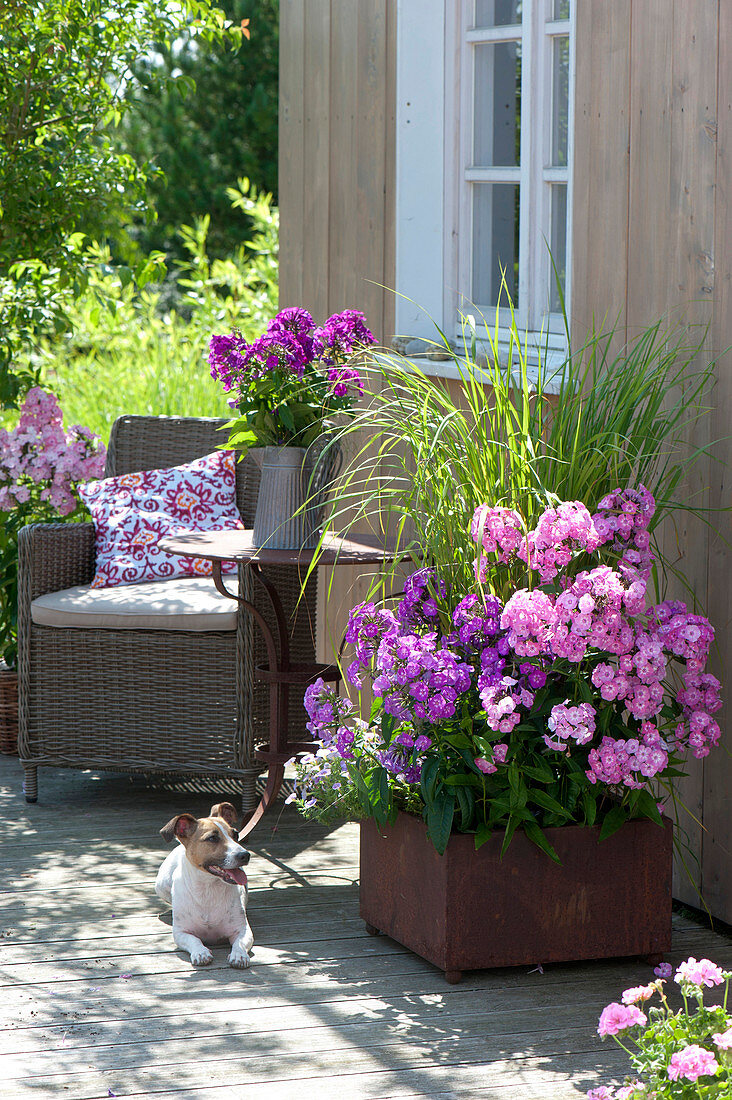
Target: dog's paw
(202,957)
(240,960)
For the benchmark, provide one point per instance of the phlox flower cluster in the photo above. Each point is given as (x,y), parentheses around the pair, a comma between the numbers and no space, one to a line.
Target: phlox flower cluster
(40,463)
(560,533)
(675,1048)
(367,625)
(328,715)
(498,531)
(628,762)
(622,521)
(570,723)
(418,679)
(341,336)
(502,702)
(698,699)
(292,345)
(475,623)
(418,601)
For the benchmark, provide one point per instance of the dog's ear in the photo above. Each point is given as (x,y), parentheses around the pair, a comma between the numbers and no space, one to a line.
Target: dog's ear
(181,825)
(227,811)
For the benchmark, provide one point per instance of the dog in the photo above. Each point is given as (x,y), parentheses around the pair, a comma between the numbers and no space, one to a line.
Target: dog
(204,882)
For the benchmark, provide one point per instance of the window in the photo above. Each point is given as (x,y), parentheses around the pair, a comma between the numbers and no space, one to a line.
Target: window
(514,159)
(483,160)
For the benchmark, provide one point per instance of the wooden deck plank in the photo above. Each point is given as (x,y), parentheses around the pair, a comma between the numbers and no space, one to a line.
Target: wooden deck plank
(97,998)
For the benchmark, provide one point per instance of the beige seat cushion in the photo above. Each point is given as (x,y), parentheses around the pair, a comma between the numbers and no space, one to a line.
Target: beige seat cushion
(182,603)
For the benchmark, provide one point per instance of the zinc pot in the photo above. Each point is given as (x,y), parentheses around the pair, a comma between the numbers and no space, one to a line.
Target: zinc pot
(292,490)
(468,909)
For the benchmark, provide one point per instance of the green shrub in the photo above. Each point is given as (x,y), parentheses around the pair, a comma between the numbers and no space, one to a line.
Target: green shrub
(127,351)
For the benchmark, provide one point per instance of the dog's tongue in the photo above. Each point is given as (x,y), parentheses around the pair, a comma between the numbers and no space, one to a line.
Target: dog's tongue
(239,877)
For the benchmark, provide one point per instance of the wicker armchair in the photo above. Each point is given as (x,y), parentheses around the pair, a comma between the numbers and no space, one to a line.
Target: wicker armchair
(149,701)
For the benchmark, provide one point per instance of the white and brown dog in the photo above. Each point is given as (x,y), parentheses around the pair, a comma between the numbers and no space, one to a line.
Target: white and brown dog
(204,882)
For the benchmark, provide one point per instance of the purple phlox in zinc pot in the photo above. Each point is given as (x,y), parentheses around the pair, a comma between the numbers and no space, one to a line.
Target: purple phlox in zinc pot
(287,387)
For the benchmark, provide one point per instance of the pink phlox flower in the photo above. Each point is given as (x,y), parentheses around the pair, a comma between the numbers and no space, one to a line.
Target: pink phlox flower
(530,619)
(627,1092)
(663,970)
(702,973)
(615,1018)
(692,1062)
(601,1093)
(485,766)
(571,722)
(497,531)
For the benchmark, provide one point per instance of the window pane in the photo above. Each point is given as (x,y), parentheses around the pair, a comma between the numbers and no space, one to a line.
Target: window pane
(561,9)
(497,13)
(497,138)
(560,102)
(495,241)
(558,243)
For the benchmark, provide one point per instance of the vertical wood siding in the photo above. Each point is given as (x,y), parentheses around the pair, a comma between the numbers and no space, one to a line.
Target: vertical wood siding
(653,187)
(337,174)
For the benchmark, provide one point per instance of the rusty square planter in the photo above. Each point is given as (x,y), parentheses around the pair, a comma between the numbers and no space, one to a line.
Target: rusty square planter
(468,910)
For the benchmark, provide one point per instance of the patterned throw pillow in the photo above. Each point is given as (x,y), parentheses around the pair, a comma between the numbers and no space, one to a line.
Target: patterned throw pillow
(132,512)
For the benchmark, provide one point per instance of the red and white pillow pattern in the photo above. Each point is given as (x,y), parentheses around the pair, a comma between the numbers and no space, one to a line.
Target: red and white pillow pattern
(132,512)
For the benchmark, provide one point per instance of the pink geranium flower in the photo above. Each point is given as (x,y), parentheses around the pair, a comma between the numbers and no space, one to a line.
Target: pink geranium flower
(703,972)
(723,1040)
(615,1018)
(692,1062)
(638,993)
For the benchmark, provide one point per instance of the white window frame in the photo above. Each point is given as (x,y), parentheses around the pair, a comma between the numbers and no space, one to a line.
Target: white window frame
(537,33)
(434,129)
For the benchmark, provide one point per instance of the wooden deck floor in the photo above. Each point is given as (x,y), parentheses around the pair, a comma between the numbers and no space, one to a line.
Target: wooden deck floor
(97,1002)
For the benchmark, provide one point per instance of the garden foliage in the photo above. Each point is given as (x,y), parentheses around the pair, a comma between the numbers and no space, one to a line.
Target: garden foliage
(128,350)
(66,67)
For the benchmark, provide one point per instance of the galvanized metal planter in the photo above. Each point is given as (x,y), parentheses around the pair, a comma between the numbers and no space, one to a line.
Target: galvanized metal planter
(469,910)
(292,493)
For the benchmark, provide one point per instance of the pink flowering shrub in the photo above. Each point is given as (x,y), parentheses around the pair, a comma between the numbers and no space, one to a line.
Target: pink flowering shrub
(680,1055)
(41,465)
(575,700)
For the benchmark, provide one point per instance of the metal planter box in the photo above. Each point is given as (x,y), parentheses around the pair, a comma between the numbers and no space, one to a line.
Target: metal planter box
(469,910)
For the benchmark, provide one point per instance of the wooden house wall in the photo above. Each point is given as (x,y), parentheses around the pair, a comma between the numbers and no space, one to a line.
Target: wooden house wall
(336,187)
(652,235)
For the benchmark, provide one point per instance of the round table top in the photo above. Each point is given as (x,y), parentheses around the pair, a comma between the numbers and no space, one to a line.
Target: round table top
(237,545)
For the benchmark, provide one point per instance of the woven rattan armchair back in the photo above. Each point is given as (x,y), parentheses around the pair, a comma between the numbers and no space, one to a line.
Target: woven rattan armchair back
(164,703)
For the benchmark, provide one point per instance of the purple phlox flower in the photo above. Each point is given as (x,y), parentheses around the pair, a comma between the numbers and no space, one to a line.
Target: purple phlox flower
(294,320)
(345,381)
(367,626)
(418,600)
(342,336)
